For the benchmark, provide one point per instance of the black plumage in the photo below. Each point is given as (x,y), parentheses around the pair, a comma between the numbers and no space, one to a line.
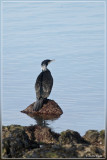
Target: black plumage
(43,85)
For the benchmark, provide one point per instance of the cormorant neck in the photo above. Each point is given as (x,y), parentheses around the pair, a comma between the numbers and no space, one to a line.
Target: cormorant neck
(44,68)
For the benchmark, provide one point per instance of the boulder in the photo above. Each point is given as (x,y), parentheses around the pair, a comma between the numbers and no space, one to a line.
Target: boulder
(50,107)
(92,136)
(71,138)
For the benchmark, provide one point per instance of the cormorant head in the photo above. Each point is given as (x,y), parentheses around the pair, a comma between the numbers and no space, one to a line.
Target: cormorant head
(45,63)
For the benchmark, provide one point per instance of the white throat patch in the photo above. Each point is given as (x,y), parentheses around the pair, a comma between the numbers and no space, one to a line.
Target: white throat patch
(44,68)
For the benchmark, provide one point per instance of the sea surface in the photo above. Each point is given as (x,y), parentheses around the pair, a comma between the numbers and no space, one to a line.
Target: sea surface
(72,33)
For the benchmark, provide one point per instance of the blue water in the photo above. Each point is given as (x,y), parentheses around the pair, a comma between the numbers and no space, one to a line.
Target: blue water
(72,33)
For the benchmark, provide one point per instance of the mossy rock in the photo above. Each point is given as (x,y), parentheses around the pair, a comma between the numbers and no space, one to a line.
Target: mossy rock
(90,151)
(41,142)
(102,134)
(70,137)
(101,138)
(92,136)
(7,130)
(50,152)
(16,143)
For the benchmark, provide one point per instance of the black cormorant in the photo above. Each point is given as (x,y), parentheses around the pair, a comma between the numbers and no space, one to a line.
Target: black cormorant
(43,85)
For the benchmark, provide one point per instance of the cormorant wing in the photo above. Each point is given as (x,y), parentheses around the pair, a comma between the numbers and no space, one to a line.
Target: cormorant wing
(44,84)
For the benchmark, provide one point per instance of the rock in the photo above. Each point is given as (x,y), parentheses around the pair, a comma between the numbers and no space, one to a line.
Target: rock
(90,151)
(15,142)
(49,152)
(42,134)
(50,107)
(92,136)
(7,130)
(42,117)
(41,142)
(101,138)
(97,140)
(70,137)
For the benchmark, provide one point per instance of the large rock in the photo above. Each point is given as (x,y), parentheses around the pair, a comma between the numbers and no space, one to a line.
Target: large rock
(95,136)
(50,107)
(92,135)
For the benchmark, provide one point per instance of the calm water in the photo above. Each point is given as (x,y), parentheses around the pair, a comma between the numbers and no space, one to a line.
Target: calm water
(73,35)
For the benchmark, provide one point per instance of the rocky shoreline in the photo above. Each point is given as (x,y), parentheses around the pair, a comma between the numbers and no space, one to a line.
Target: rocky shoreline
(41,142)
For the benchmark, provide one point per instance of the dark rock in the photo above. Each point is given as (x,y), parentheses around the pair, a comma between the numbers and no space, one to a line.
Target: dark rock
(89,151)
(81,147)
(70,137)
(97,139)
(50,152)
(7,130)
(50,107)
(15,142)
(40,142)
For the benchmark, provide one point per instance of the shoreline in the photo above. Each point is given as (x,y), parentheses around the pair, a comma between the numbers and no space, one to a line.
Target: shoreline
(41,142)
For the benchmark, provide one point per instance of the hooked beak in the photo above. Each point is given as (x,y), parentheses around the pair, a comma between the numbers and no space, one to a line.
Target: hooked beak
(51,61)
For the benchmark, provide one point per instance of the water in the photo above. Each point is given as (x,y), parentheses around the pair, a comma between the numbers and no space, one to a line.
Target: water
(72,34)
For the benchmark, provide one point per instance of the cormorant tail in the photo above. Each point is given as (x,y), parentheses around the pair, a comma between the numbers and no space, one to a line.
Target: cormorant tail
(38,104)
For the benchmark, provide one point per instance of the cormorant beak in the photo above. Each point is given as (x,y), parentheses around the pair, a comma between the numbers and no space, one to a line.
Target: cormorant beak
(51,61)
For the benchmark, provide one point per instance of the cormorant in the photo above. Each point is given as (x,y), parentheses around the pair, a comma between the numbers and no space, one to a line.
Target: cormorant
(43,85)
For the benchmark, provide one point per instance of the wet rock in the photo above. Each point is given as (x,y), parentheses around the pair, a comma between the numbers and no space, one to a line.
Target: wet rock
(50,107)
